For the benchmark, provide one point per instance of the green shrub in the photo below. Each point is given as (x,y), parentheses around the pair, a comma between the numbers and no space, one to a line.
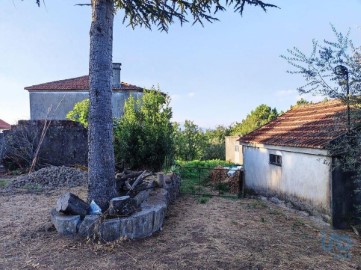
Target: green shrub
(80,112)
(144,135)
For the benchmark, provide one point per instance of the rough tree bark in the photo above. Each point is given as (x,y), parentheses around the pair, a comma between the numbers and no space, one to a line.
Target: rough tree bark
(101,182)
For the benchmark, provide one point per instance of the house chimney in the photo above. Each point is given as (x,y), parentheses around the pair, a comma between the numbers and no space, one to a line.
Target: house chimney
(117,67)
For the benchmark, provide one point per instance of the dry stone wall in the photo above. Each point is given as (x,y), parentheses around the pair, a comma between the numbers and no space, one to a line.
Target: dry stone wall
(148,220)
(65,142)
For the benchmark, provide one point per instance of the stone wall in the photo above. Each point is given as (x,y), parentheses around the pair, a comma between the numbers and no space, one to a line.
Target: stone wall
(65,142)
(143,223)
(1,146)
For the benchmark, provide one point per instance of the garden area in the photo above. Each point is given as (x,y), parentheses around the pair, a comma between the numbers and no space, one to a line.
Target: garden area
(221,233)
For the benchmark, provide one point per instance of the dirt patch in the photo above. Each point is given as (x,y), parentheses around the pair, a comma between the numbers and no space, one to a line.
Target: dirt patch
(220,234)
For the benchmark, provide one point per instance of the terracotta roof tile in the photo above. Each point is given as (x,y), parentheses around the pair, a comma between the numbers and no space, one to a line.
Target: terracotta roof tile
(75,84)
(4,125)
(308,126)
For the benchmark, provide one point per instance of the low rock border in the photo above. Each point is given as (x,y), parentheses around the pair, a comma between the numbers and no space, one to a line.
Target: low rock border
(153,205)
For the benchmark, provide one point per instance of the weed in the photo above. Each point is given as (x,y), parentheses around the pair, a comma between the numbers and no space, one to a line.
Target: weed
(16,172)
(203,199)
(298,223)
(274,212)
(257,205)
(33,187)
(3,183)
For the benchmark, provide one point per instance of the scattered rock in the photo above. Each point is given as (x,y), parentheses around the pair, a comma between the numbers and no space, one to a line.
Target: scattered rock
(289,205)
(51,177)
(65,224)
(326,218)
(263,198)
(276,200)
(304,213)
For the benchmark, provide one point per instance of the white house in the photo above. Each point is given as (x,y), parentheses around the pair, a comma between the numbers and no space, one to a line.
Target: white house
(288,157)
(53,100)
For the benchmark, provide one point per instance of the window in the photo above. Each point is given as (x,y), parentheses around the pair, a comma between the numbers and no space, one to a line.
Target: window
(275,160)
(236,148)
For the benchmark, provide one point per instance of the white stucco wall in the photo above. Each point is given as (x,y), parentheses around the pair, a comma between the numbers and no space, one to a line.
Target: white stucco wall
(231,154)
(305,173)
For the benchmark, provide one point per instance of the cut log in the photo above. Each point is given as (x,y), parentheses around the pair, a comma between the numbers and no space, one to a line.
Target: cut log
(71,204)
(125,176)
(122,206)
(139,180)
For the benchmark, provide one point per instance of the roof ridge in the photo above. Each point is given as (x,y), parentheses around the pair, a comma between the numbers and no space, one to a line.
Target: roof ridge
(312,126)
(80,83)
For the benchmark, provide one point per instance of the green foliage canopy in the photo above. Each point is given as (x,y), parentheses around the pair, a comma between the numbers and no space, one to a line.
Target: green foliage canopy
(163,13)
(144,135)
(260,116)
(80,112)
(189,142)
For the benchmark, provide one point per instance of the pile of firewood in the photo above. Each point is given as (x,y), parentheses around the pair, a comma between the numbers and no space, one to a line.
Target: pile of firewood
(219,175)
(131,182)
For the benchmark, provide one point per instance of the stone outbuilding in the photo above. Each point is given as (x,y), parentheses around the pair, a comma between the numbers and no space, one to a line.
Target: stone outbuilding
(290,158)
(53,100)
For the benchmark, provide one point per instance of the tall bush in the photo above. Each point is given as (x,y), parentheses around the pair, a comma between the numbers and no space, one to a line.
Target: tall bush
(144,135)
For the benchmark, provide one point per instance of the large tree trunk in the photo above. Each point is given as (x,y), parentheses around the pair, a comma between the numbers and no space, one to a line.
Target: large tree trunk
(101,181)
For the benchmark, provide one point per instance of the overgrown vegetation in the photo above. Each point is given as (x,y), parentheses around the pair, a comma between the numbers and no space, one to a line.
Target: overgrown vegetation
(197,175)
(20,147)
(144,135)
(80,112)
(260,116)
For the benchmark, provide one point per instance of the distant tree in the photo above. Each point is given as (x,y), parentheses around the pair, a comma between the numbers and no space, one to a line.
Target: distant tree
(215,146)
(101,182)
(190,141)
(300,102)
(260,116)
(144,135)
(80,113)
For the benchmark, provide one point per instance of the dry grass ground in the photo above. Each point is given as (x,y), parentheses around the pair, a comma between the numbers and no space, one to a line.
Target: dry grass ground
(219,234)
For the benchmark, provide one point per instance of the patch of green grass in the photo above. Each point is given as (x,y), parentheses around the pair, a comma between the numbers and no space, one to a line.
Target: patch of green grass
(297,224)
(189,185)
(257,204)
(203,199)
(3,183)
(16,172)
(274,212)
(222,188)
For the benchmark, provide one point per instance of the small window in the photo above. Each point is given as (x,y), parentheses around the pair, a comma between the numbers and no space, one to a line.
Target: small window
(275,160)
(236,148)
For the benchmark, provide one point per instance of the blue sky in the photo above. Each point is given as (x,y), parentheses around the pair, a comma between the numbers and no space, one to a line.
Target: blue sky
(215,74)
